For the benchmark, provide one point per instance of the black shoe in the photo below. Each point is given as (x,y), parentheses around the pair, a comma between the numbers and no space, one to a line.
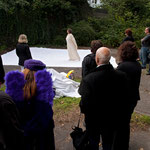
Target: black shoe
(148,73)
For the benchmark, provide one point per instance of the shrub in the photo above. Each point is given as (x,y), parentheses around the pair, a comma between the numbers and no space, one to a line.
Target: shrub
(59,40)
(83,33)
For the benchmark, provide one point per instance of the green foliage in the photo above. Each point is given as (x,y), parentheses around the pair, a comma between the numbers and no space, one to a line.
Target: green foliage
(83,33)
(2,88)
(140,121)
(2,48)
(42,21)
(59,40)
(123,14)
(45,22)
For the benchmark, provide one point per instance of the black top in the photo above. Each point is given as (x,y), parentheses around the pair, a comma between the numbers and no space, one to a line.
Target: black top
(23,52)
(128,38)
(2,72)
(133,71)
(11,135)
(88,64)
(104,96)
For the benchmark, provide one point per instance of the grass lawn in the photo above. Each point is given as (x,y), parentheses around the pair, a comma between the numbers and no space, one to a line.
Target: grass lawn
(65,105)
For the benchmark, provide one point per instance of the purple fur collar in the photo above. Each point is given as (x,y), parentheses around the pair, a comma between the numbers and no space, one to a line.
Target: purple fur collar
(15,83)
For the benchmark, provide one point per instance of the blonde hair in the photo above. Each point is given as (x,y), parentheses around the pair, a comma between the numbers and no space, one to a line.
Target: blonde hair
(22,38)
(30,85)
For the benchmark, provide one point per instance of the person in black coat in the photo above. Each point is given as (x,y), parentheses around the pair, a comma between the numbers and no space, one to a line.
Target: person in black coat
(129,36)
(23,50)
(128,54)
(89,63)
(2,72)
(104,101)
(11,135)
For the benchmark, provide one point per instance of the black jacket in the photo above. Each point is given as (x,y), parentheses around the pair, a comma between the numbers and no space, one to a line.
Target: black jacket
(104,96)
(133,71)
(23,52)
(128,38)
(88,64)
(11,135)
(2,72)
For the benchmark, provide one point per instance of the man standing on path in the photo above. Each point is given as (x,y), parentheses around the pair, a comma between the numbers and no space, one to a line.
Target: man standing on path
(145,49)
(104,101)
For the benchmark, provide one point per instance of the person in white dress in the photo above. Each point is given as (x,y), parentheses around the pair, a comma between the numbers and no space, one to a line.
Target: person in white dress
(72,46)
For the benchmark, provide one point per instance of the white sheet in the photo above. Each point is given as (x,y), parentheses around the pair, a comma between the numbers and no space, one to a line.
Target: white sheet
(63,85)
(51,57)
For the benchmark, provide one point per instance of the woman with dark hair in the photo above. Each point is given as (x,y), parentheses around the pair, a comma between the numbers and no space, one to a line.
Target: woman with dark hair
(33,94)
(128,34)
(72,46)
(89,63)
(128,54)
(23,50)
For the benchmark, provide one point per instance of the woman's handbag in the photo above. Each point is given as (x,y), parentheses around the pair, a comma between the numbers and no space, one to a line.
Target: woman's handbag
(79,137)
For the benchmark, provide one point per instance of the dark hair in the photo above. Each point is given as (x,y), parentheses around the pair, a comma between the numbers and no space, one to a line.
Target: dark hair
(148,28)
(69,30)
(95,44)
(128,32)
(128,51)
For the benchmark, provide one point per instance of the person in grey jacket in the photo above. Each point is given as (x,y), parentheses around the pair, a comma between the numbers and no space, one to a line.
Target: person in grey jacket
(145,49)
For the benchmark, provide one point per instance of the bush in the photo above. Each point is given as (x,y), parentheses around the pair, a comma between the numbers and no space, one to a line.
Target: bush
(59,40)
(83,33)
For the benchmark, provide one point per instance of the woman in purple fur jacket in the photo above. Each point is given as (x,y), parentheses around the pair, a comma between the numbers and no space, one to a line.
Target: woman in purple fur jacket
(33,94)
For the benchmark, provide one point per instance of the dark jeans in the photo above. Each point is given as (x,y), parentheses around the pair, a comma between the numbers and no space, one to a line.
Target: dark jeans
(143,56)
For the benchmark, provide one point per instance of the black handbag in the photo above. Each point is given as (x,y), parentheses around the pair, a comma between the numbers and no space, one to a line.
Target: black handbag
(79,137)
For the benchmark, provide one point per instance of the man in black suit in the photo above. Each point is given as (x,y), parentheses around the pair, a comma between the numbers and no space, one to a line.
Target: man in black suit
(104,101)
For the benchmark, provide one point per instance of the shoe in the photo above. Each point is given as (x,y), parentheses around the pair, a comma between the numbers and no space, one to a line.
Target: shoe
(148,73)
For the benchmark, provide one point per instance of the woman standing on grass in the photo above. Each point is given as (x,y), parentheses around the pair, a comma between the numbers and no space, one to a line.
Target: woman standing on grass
(33,94)
(23,50)
(72,46)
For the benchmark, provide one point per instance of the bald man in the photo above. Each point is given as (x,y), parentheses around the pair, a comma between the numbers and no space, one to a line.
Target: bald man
(104,108)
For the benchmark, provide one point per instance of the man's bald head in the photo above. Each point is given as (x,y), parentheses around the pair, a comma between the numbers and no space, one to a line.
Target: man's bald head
(103,55)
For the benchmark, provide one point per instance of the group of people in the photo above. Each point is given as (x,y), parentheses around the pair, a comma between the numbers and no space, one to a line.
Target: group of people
(108,97)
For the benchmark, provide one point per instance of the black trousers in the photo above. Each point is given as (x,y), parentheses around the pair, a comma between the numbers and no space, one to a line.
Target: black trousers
(122,134)
(95,131)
